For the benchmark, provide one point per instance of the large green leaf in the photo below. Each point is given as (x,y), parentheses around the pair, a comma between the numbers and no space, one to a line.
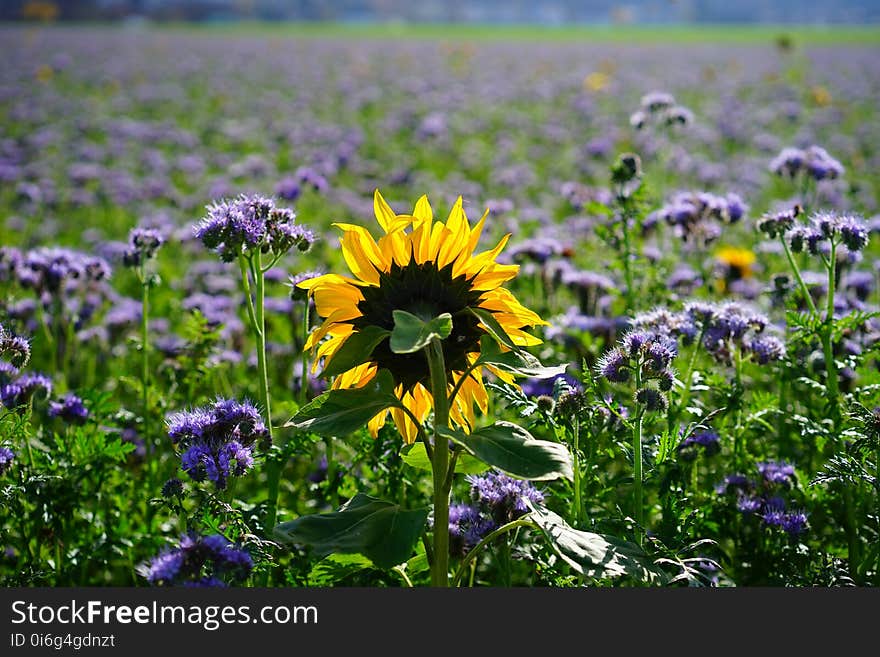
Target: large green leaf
(511,448)
(411,334)
(335,567)
(381,531)
(415,456)
(595,555)
(341,412)
(516,361)
(355,350)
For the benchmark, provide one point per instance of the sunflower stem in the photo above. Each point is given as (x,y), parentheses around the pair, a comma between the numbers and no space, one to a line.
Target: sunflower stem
(440,464)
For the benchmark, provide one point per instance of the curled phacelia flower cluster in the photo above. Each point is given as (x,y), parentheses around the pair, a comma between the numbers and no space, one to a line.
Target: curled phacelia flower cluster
(200,561)
(496,499)
(15,352)
(248,224)
(698,217)
(217,441)
(659,108)
(825,228)
(763,497)
(706,442)
(172,488)
(7,456)
(814,162)
(51,270)
(777,224)
(143,243)
(20,391)
(648,356)
(725,328)
(69,409)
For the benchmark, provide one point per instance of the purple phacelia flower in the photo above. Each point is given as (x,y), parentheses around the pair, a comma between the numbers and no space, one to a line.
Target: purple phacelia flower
(70,409)
(7,456)
(199,561)
(502,497)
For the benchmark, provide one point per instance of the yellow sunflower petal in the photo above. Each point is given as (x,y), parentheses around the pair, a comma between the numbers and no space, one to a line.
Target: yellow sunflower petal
(396,247)
(384,214)
(326,279)
(377,422)
(422,211)
(362,256)
(356,377)
(492,277)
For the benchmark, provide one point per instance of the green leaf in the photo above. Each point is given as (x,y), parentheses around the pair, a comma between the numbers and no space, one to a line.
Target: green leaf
(518,362)
(336,567)
(411,334)
(381,531)
(356,350)
(341,412)
(512,449)
(594,555)
(415,456)
(493,327)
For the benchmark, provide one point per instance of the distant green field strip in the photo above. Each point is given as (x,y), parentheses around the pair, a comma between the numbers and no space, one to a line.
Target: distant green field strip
(630,34)
(799,35)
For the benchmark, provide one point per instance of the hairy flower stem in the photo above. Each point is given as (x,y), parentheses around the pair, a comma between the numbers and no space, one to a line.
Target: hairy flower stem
(627,264)
(304,382)
(440,464)
(145,372)
(637,465)
(832,386)
(673,416)
(488,540)
(738,429)
(255,306)
(827,331)
(575,453)
(797,274)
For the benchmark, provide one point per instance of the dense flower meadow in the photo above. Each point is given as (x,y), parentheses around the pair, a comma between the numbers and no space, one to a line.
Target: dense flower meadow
(326,312)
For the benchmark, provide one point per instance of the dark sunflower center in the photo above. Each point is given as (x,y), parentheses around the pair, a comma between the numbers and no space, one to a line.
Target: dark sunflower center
(425,291)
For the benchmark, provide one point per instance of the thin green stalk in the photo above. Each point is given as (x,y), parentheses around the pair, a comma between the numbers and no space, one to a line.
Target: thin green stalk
(145,375)
(737,429)
(637,464)
(627,265)
(578,504)
(332,496)
(487,540)
(505,560)
(828,330)
(254,299)
(797,274)
(304,383)
(440,464)
(637,475)
(877,486)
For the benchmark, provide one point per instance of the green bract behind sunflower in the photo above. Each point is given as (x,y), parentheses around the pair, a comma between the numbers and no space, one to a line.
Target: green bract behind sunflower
(421,279)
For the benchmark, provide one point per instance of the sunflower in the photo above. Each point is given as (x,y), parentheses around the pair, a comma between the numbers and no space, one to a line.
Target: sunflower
(426,268)
(736,264)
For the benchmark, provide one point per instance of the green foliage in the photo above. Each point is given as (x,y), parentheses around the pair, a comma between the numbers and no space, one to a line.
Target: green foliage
(381,531)
(342,412)
(594,555)
(411,334)
(357,349)
(512,449)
